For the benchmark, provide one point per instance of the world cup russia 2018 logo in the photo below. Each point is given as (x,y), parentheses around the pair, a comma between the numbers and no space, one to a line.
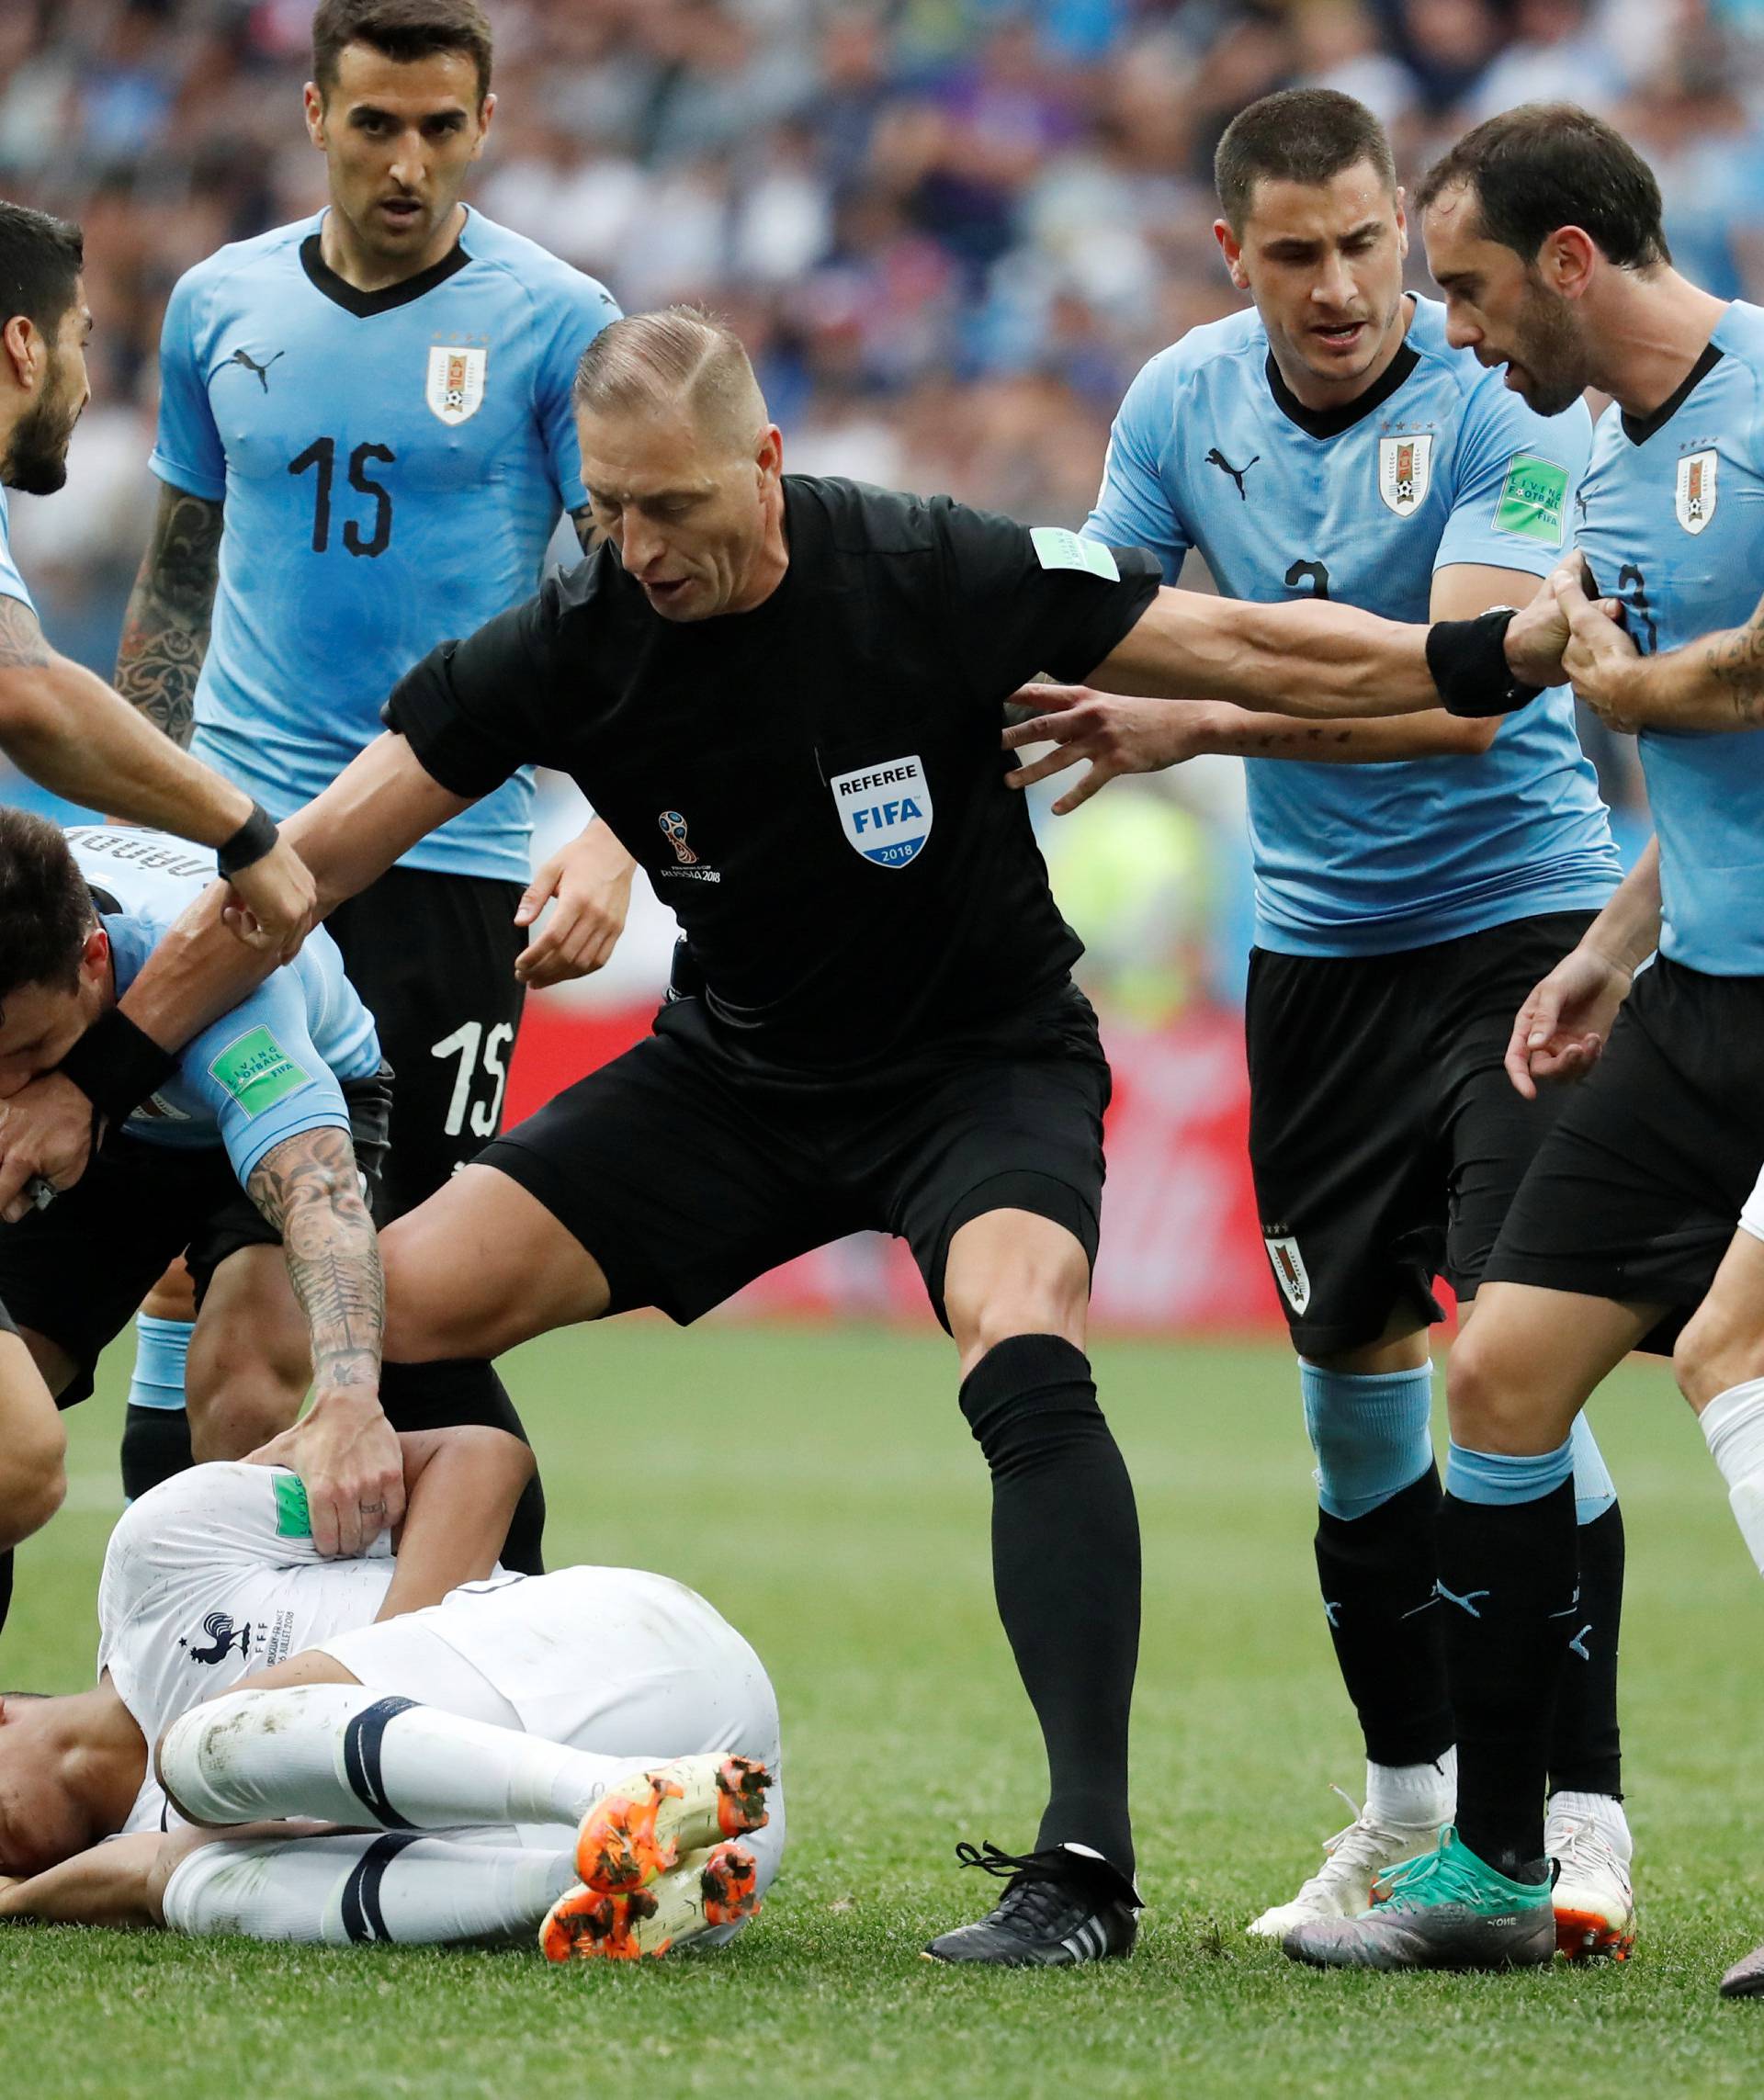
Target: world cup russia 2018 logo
(674,827)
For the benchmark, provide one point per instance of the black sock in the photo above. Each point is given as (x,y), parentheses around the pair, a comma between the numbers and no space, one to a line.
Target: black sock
(1378,1573)
(467,1389)
(1507,1577)
(1585,1749)
(1065,1569)
(5,1585)
(155,1445)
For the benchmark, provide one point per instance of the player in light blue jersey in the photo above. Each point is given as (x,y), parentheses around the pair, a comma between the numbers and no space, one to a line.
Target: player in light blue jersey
(244,1152)
(1543,226)
(1414,877)
(366,443)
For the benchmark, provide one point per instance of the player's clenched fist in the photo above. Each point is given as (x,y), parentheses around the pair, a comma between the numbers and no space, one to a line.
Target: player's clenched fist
(1117,734)
(278,900)
(347,1456)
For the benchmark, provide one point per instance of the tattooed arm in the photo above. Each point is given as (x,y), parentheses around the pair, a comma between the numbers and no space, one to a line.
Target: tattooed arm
(165,629)
(345,1451)
(1714,683)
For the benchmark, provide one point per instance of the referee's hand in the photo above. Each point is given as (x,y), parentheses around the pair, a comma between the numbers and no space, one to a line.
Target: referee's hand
(1563,1027)
(1115,733)
(588,886)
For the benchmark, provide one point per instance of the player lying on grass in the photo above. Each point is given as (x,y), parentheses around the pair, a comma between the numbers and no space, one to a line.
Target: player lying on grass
(783,694)
(586,1754)
(253,1153)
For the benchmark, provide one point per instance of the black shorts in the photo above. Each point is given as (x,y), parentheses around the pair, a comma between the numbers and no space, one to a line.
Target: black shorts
(432,956)
(1386,1140)
(76,1271)
(686,1174)
(1637,1193)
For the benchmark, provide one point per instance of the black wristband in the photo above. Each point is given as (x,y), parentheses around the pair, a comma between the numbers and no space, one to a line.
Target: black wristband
(1468,662)
(116,1065)
(255,837)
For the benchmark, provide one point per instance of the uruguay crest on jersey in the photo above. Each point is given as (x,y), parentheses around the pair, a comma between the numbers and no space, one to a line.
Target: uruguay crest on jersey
(455,384)
(885,811)
(1694,499)
(1404,469)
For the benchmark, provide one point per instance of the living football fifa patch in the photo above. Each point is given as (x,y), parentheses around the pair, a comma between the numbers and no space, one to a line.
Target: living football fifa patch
(1532,500)
(885,810)
(257,1071)
(1058,548)
(293,1518)
(454,391)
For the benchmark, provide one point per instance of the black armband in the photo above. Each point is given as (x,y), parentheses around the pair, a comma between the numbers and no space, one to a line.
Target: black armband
(255,837)
(1468,662)
(116,1065)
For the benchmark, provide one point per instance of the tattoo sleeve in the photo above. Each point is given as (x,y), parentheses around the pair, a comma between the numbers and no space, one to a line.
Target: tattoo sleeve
(309,1190)
(1735,661)
(21,639)
(165,629)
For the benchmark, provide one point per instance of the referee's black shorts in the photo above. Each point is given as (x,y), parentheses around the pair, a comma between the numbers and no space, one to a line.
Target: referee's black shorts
(1386,1140)
(78,1270)
(1637,1192)
(686,1175)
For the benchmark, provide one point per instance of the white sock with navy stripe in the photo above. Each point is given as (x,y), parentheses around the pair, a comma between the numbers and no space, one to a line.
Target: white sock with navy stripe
(344,1753)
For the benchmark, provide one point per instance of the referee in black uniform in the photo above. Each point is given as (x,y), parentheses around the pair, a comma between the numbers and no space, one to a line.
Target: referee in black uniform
(783,695)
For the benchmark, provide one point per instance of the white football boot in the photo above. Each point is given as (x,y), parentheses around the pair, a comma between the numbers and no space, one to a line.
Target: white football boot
(1593,1898)
(1353,1860)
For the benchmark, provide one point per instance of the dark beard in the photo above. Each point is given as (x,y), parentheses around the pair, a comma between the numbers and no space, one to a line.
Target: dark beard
(1550,350)
(36,460)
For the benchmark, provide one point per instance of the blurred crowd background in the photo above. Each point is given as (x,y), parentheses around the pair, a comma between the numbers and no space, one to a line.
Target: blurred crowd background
(950,232)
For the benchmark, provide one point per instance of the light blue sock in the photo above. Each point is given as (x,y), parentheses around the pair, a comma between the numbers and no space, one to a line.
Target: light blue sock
(1594,1491)
(1498,1478)
(1370,1431)
(160,1348)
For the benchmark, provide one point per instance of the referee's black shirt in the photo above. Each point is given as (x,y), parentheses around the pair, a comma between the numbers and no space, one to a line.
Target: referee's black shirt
(816,787)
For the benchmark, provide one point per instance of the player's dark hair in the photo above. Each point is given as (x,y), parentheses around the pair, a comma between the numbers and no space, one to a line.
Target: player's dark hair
(1549,164)
(46,910)
(400,30)
(41,261)
(681,352)
(1303,134)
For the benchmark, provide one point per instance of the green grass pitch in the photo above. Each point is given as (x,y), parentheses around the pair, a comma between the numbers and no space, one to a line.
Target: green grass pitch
(821,1488)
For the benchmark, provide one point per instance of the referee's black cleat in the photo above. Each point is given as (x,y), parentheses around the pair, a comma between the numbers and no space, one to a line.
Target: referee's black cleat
(1063,1906)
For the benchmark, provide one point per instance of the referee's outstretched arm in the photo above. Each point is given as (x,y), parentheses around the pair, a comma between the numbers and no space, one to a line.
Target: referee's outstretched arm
(1326,660)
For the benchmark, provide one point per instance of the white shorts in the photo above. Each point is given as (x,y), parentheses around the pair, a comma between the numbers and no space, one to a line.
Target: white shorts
(1752,1215)
(614,1661)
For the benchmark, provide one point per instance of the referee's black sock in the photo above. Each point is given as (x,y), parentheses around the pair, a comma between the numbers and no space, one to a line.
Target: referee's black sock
(467,1389)
(1507,1580)
(1585,1751)
(1065,1569)
(5,1585)
(1377,1573)
(155,1445)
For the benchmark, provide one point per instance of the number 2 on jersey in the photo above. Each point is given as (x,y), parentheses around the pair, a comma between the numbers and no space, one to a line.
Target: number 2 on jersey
(322,456)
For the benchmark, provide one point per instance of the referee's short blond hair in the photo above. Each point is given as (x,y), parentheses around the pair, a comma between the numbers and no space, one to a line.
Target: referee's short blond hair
(650,363)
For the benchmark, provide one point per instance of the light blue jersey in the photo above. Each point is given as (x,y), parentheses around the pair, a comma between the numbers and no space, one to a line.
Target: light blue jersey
(12,584)
(1671,522)
(267,1070)
(1435,466)
(393,465)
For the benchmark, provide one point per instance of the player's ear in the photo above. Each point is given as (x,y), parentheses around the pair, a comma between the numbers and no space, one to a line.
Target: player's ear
(312,101)
(1231,248)
(94,955)
(1402,221)
(23,343)
(486,110)
(1566,261)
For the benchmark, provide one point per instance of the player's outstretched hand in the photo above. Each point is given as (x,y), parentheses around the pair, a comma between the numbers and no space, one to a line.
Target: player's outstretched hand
(45,1137)
(275,901)
(591,882)
(1566,1022)
(1538,632)
(1117,734)
(350,1462)
(1599,657)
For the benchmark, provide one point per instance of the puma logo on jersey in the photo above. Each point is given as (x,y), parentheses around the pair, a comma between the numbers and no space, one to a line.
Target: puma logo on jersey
(1217,459)
(261,372)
